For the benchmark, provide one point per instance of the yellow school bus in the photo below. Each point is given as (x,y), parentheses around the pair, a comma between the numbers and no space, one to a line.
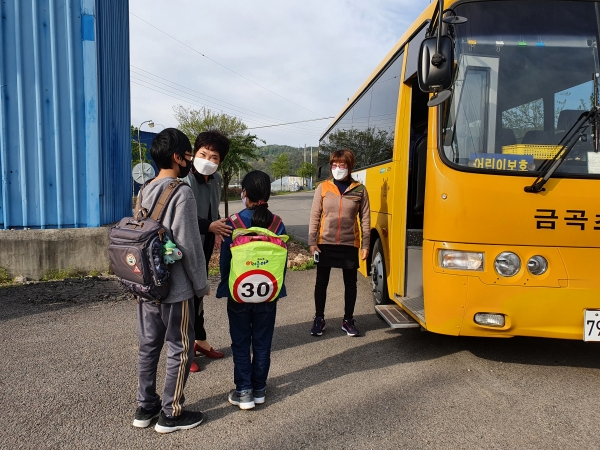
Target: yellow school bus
(476,140)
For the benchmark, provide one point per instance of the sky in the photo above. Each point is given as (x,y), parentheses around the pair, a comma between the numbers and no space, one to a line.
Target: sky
(266,62)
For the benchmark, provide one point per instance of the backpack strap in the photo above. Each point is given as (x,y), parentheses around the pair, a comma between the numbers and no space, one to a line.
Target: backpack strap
(139,211)
(236,221)
(159,208)
(275,224)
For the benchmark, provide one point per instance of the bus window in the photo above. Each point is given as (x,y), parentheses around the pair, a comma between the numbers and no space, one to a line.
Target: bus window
(540,71)
(367,128)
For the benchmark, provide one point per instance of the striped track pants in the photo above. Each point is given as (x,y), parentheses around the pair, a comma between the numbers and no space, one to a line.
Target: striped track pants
(157,323)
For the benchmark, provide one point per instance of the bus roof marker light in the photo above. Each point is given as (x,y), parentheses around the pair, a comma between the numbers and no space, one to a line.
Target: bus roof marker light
(490,320)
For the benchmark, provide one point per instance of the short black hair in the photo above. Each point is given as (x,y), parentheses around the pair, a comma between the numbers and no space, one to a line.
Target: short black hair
(257,185)
(167,143)
(213,140)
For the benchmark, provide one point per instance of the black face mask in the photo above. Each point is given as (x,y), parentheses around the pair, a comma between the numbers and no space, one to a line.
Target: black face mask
(184,171)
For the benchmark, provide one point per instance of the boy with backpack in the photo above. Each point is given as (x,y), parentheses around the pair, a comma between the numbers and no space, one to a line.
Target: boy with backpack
(253,262)
(172,319)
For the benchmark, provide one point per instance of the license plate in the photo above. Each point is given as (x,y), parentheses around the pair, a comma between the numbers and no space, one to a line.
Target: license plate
(591,325)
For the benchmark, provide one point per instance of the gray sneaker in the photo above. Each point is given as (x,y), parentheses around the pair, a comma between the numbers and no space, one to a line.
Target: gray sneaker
(243,399)
(259,396)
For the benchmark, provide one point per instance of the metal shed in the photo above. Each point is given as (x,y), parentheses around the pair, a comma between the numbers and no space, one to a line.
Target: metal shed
(65,158)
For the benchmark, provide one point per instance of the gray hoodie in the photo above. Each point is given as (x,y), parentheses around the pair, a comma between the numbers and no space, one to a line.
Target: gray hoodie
(188,275)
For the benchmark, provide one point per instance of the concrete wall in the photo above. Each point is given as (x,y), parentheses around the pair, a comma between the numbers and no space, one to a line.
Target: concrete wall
(32,253)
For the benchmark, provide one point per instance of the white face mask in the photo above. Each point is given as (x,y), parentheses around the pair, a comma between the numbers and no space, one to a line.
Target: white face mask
(339,174)
(204,166)
(243,198)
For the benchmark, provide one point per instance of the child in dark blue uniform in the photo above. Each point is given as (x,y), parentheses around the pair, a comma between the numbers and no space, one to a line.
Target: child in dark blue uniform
(250,324)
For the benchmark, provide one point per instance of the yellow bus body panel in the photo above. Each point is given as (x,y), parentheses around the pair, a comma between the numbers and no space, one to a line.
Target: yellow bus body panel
(491,214)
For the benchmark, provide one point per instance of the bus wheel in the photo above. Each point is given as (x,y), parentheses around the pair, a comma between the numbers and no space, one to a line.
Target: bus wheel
(378,275)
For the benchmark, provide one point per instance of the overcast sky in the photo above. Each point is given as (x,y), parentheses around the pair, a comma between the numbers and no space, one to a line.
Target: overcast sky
(266,61)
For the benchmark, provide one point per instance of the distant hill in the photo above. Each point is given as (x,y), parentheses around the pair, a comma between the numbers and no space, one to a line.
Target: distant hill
(268,153)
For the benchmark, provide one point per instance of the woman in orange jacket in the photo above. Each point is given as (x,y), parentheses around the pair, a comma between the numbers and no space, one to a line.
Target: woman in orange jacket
(338,233)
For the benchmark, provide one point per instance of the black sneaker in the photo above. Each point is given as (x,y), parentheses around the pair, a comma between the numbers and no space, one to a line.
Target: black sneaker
(259,396)
(350,328)
(184,421)
(243,399)
(143,417)
(318,326)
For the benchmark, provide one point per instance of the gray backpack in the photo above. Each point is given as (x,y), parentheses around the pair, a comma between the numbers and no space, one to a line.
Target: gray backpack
(135,249)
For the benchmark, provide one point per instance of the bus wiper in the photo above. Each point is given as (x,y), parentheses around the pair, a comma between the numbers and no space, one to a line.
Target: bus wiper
(567,143)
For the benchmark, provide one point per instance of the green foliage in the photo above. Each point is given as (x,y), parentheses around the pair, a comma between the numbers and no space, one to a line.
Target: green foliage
(268,154)
(306,170)
(281,167)
(135,148)
(61,274)
(310,264)
(243,146)
(194,121)
(370,146)
(4,276)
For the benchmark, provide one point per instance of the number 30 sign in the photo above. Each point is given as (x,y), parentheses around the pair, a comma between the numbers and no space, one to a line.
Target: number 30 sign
(255,286)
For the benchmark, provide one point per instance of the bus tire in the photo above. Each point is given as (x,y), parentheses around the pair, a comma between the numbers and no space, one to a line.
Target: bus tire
(379,275)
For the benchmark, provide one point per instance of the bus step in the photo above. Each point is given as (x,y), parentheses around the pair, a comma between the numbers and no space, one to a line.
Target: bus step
(396,317)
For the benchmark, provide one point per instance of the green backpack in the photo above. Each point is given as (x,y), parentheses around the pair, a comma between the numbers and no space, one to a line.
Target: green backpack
(258,259)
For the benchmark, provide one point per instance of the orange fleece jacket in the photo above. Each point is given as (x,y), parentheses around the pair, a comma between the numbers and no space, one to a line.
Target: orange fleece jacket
(338,219)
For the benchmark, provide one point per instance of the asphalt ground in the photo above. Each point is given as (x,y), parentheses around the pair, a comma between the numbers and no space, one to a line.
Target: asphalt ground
(68,380)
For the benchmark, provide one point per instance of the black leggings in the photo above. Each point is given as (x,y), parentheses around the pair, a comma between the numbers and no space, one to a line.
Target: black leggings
(350,291)
(199,331)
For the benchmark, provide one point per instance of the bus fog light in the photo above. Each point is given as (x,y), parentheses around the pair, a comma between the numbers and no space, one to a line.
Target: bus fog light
(489,320)
(537,265)
(453,259)
(507,264)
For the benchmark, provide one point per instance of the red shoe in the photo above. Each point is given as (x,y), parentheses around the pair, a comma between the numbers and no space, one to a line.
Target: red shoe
(194,367)
(212,353)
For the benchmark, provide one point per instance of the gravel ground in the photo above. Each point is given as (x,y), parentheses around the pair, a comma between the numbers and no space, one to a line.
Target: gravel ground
(68,380)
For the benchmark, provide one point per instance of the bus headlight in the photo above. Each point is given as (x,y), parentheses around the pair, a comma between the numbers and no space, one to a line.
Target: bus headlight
(507,264)
(454,259)
(537,265)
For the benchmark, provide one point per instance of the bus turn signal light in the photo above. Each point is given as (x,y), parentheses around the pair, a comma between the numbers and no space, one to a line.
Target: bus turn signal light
(454,259)
(489,320)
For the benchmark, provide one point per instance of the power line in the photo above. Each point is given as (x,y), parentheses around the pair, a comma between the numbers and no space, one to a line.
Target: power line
(216,62)
(290,123)
(236,107)
(184,95)
(189,100)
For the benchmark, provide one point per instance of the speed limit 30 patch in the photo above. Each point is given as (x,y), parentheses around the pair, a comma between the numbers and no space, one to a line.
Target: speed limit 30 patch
(255,286)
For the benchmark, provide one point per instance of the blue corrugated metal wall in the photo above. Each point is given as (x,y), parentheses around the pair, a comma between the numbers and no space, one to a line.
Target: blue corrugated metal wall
(64,113)
(115,113)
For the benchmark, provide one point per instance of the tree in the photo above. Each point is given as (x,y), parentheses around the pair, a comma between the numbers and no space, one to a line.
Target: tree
(370,146)
(306,170)
(135,149)
(281,167)
(241,150)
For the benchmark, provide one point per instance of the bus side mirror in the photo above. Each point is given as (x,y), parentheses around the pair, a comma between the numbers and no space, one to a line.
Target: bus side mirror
(436,67)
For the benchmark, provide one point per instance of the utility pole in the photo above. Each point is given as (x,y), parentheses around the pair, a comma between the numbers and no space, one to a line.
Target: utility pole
(311,180)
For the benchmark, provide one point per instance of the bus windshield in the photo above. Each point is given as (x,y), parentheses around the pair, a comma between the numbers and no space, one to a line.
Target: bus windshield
(524,76)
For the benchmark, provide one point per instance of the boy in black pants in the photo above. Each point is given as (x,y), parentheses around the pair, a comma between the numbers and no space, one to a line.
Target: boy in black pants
(172,320)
